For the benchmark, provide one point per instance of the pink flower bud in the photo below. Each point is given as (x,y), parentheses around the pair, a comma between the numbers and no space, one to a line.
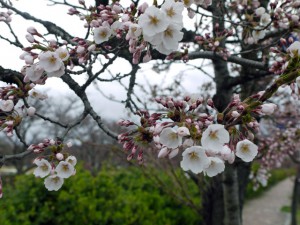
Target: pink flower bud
(9,122)
(147,58)
(30,38)
(140,156)
(31,111)
(52,43)
(163,152)
(91,48)
(183,131)
(268,108)
(28,59)
(69,144)
(80,49)
(32,30)
(59,156)
(143,7)
(210,103)
(235,114)
(173,153)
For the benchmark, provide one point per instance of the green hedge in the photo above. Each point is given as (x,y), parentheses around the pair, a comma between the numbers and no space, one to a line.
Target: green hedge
(114,196)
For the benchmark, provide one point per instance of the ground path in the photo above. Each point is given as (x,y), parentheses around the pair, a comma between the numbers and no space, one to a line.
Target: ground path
(266,210)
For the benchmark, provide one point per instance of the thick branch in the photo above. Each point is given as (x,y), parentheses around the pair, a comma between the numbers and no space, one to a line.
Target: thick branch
(232,59)
(10,76)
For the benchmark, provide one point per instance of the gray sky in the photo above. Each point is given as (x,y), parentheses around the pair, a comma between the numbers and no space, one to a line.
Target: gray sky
(9,57)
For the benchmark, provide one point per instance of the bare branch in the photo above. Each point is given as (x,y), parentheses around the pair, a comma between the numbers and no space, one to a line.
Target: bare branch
(51,27)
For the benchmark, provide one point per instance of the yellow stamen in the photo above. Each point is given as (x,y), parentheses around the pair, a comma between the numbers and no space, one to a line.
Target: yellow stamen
(168,32)
(62,55)
(170,12)
(193,156)
(52,60)
(213,135)
(245,148)
(154,20)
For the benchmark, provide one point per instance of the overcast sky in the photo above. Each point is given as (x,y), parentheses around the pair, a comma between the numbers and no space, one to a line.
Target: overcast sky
(9,58)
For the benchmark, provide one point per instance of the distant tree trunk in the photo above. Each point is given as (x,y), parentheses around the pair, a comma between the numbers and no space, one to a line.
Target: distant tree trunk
(296,197)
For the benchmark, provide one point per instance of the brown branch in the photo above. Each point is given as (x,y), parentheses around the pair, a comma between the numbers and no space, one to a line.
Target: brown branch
(51,27)
(87,106)
(10,76)
(18,156)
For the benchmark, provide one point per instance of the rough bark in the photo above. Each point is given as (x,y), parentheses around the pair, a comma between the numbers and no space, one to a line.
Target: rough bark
(296,197)
(222,199)
(231,196)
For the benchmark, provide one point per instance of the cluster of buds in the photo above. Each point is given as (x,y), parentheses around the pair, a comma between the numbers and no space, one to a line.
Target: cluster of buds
(13,93)
(205,144)
(55,167)
(11,114)
(6,16)
(213,43)
(288,62)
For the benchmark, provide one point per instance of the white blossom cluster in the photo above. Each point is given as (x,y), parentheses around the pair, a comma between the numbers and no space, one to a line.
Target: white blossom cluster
(210,156)
(259,31)
(55,175)
(161,27)
(50,63)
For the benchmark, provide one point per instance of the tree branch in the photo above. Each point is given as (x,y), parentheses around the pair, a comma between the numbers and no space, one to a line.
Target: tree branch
(51,27)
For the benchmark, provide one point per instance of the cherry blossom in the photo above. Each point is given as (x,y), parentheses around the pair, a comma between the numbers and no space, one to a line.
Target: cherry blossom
(6,105)
(43,168)
(64,169)
(215,167)
(265,19)
(57,73)
(71,159)
(53,182)
(214,137)
(260,11)
(194,159)
(170,138)
(258,34)
(173,153)
(173,11)
(153,21)
(50,61)
(170,39)
(102,34)
(246,150)
(34,72)
(62,53)
(294,49)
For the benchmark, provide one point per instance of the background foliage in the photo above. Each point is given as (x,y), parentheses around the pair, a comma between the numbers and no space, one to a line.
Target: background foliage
(112,196)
